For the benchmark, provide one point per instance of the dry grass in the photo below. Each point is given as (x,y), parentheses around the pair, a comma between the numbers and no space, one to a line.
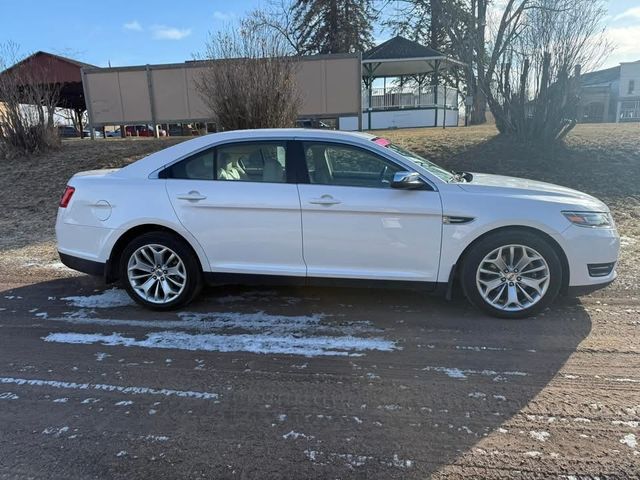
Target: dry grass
(603,160)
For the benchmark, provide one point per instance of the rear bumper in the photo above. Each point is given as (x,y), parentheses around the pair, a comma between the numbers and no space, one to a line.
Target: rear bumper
(83,265)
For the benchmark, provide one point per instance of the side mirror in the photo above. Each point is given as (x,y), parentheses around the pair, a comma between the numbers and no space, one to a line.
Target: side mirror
(408,181)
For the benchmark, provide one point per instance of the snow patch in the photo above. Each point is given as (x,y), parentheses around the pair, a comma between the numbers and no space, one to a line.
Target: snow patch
(581,420)
(8,396)
(533,453)
(296,435)
(475,348)
(477,395)
(630,441)
(157,438)
(61,400)
(100,356)
(229,321)
(462,373)
(311,454)
(114,297)
(55,431)
(109,388)
(124,403)
(267,344)
(353,460)
(630,423)
(540,436)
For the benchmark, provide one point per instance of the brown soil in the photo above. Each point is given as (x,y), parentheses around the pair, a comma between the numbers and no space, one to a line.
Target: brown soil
(462,395)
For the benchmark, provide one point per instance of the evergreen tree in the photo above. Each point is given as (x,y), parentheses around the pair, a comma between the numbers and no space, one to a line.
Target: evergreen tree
(334,26)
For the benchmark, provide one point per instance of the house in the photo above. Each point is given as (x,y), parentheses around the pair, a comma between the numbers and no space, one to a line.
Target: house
(628,109)
(598,96)
(610,95)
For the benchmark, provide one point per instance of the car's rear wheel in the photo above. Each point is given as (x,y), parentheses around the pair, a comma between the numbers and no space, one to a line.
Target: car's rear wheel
(512,274)
(160,271)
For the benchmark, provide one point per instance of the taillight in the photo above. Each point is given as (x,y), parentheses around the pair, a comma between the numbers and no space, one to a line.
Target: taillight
(66,196)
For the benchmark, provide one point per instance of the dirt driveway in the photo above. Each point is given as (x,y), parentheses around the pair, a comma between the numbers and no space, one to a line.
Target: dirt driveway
(313,383)
(317,383)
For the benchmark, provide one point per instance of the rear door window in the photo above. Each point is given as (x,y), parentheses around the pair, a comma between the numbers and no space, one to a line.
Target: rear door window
(252,162)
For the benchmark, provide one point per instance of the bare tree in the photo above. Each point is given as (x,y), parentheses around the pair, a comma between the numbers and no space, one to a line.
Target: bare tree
(248,81)
(532,82)
(76,116)
(29,103)
(278,18)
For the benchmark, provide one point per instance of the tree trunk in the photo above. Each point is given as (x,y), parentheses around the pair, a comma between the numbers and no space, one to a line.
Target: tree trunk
(478,113)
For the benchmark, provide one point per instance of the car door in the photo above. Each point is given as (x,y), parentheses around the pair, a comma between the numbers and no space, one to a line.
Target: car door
(356,226)
(242,205)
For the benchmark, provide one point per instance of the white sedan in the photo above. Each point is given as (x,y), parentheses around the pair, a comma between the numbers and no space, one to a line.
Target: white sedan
(320,207)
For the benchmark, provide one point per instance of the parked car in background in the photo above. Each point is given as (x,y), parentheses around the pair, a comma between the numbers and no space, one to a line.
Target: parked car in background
(87,133)
(315,123)
(329,208)
(114,133)
(67,131)
(143,131)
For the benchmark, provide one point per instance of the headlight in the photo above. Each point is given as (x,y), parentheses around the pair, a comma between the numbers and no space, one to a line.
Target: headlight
(590,219)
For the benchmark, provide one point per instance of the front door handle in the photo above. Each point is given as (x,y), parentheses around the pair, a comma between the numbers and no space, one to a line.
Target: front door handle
(325,200)
(192,196)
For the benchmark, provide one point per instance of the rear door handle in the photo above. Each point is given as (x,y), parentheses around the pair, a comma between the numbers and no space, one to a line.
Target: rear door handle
(192,196)
(325,200)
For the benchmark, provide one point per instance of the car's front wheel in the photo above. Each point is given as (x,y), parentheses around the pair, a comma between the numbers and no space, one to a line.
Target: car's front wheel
(160,271)
(511,274)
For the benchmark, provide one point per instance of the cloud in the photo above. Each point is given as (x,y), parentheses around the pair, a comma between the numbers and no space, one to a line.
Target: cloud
(223,16)
(135,26)
(625,44)
(633,12)
(162,32)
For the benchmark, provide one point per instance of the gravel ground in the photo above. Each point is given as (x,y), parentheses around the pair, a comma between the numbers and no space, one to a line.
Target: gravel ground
(317,383)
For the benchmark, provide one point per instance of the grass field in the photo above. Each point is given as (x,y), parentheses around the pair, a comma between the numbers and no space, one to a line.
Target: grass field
(600,159)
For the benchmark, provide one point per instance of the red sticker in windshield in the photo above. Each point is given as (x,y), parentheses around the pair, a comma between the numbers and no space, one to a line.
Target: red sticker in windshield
(381,141)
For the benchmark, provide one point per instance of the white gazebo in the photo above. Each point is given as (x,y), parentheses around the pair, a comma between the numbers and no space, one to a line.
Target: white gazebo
(403,96)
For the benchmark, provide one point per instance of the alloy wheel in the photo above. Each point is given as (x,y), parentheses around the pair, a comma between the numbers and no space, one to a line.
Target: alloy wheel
(156,273)
(513,278)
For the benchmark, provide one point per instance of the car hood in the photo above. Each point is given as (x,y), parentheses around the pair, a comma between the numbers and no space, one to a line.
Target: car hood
(522,187)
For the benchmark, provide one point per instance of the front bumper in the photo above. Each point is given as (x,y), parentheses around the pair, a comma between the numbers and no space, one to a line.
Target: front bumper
(586,248)
(579,290)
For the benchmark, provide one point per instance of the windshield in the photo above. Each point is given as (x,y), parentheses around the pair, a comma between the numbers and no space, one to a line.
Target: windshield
(417,159)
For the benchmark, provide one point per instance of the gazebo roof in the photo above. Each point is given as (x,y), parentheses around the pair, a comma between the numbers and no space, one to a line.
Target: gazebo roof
(400,56)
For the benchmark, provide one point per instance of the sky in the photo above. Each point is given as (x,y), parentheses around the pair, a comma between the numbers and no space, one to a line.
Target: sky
(170,31)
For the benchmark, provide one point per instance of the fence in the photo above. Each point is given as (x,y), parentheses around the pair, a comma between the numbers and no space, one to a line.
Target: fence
(410,97)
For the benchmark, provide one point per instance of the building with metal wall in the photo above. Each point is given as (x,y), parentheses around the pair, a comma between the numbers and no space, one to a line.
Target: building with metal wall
(167,94)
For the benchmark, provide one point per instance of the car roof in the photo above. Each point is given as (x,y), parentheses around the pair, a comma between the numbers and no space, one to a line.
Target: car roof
(151,163)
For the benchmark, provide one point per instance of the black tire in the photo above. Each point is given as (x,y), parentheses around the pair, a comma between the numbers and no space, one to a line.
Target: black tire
(488,244)
(193,283)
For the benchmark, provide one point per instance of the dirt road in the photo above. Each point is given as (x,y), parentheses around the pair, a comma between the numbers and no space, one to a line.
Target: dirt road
(313,383)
